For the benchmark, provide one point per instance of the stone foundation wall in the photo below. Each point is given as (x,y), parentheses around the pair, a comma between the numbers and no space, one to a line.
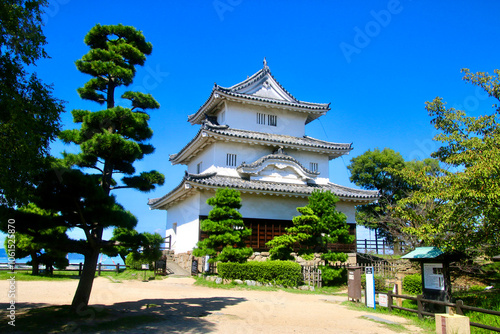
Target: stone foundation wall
(184,260)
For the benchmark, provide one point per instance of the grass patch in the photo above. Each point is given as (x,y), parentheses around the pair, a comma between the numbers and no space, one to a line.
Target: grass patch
(398,328)
(132,274)
(427,324)
(60,275)
(27,276)
(489,299)
(54,319)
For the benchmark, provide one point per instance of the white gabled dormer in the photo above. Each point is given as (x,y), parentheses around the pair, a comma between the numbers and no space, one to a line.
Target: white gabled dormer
(261,104)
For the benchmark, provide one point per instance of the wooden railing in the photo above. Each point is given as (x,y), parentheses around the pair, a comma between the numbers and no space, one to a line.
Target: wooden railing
(101,267)
(459,308)
(380,247)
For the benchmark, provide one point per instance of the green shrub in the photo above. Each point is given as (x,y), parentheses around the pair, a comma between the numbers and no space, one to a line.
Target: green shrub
(134,261)
(285,273)
(380,283)
(333,276)
(412,284)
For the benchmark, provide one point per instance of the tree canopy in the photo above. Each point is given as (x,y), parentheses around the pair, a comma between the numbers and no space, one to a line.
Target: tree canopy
(464,208)
(225,228)
(29,114)
(378,170)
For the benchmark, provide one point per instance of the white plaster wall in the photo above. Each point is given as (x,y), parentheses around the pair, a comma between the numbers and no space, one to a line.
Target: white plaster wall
(270,207)
(305,158)
(244,153)
(207,158)
(348,208)
(214,158)
(185,214)
(244,117)
(260,206)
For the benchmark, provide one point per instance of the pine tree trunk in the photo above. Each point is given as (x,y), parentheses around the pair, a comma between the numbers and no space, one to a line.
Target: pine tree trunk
(34,263)
(82,294)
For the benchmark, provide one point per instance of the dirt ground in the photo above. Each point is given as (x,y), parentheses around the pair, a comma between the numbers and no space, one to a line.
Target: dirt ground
(187,308)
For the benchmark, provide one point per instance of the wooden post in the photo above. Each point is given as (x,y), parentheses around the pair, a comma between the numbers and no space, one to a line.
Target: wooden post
(420,307)
(80,268)
(99,269)
(459,305)
(117,268)
(399,289)
(389,300)
(366,246)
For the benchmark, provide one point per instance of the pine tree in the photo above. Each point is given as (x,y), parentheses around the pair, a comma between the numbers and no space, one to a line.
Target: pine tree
(111,140)
(318,225)
(225,228)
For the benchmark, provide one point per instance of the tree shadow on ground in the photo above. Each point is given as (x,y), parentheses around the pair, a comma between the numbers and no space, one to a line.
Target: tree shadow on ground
(146,315)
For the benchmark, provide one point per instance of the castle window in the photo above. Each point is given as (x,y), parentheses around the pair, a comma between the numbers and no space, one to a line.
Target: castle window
(261,118)
(231,159)
(272,120)
(313,166)
(199,168)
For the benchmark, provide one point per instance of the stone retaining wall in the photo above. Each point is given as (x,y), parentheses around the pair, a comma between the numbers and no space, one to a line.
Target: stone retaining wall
(184,260)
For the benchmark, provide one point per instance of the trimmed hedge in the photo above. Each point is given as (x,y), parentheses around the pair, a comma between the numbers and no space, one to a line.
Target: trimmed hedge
(285,273)
(412,284)
(333,276)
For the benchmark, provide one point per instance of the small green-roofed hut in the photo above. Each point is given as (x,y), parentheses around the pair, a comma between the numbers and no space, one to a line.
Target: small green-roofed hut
(436,283)
(424,253)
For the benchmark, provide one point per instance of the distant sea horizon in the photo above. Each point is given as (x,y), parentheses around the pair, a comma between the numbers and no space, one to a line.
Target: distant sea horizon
(72,257)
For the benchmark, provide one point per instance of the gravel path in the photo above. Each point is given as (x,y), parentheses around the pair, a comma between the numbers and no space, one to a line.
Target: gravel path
(192,309)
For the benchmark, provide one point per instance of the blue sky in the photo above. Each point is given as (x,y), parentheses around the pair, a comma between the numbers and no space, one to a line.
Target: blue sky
(377,62)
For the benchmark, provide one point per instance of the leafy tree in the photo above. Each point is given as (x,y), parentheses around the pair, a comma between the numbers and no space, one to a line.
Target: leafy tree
(150,250)
(225,228)
(465,210)
(377,170)
(111,140)
(29,114)
(319,225)
(127,241)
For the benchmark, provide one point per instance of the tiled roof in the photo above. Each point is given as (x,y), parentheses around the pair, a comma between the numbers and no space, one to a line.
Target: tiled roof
(279,140)
(317,109)
(213,180)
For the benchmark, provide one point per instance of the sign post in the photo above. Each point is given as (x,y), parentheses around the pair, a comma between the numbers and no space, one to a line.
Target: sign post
(370,287)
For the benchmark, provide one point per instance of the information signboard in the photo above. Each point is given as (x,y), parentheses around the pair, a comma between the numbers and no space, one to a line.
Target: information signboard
(433,276)
(382,300)
(370,287)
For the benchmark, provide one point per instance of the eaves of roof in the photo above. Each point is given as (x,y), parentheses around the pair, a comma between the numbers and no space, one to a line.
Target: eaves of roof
(219,94)
(209,132)
(213,181)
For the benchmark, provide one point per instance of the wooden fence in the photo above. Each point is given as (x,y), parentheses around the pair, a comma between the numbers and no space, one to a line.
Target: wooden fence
(101,267)
(312,276)
(459,307)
